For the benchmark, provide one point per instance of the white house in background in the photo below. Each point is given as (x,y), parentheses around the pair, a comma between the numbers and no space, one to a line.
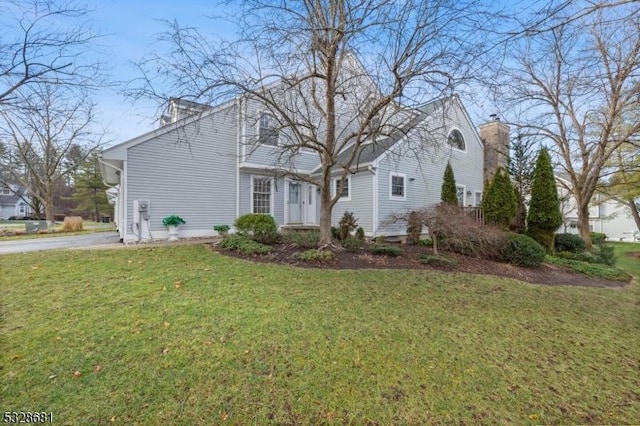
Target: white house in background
(607,216)
(224,161)
(12,204)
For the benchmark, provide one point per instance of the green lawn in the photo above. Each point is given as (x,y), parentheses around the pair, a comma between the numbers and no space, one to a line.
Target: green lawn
(181,335)
(54,231)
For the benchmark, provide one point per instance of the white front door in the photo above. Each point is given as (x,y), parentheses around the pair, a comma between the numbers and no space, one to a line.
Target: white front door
(311,200)
(295,202)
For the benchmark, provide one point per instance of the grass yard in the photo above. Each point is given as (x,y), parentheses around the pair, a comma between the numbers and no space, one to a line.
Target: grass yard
(18,227)
(181,335)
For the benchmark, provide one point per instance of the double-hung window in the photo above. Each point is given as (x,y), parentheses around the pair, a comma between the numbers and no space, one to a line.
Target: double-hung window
(268,130)
(345,195)
(397,186)
(261,197)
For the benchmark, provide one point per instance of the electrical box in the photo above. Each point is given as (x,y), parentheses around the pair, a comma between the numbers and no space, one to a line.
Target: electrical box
(142,208)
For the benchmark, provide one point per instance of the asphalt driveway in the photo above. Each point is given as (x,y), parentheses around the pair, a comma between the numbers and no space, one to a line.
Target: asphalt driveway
(54,243)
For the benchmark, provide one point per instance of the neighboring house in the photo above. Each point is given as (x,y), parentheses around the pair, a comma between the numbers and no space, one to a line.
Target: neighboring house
(12,204)
(225,161)
(607,216)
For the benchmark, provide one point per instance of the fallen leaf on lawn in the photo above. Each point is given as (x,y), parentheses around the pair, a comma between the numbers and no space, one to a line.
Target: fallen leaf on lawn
(208,342)
(58,338)
(130,262)
(97,368)
(166,324)
(113,419)
(207,269)
(178,284)
(164,351)
(224,416)
(533,416)
(77,374)
(53,376)
(35,267)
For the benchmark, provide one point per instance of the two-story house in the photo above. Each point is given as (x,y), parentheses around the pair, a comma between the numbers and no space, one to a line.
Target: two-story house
(13,203)
(224,161)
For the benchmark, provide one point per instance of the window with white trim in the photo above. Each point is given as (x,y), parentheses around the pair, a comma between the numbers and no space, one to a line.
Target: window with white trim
(456,140)
(478,200)
(6,190)
(267,130)
(346,189)
(460,193)
(397,186)
(261,189)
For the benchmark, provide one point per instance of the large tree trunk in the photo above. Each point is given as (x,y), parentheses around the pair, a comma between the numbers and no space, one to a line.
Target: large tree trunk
(634,213)
(325,215)
(583,223)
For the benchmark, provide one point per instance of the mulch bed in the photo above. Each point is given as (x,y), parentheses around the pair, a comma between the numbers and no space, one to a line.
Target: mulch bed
(285,254)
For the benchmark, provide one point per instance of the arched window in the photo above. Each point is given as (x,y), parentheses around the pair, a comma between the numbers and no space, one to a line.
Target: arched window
(456,140)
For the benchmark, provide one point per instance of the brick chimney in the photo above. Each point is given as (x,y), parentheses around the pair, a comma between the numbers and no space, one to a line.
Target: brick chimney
(495,136)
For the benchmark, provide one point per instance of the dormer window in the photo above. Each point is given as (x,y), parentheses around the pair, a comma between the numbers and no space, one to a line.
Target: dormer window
(456,140)
(268,130)
(6,190)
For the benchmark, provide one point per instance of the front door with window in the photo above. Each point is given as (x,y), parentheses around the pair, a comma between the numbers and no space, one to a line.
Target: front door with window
(301,203)
(295,202)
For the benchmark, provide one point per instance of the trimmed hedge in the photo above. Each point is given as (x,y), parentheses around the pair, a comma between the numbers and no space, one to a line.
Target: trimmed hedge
(572,243)
(385,250)
(259,227)
(244,245)
(315,255)
(522,250)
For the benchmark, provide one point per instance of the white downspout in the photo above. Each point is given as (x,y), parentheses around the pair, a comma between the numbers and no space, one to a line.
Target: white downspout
(373,168)
(122,218)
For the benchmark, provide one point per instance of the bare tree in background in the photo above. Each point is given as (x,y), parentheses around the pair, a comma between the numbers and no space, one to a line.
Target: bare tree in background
(43,41)
(51,121)
(578,81)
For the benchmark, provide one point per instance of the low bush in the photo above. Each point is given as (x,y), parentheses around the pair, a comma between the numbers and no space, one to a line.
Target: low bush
(385,250)
(360,233)
(335,232)
(581,257)
(457,232)
(427,242)
(522,250)
(591,269)
(221,229)
(572,243)
(605,254)
(433,260)
(244,245)
(315,255)
(598,238)
(303,239)
(259,227)
(72,224)
(352,244)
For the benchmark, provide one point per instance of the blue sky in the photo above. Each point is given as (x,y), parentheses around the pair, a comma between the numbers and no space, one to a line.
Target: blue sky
(129,29)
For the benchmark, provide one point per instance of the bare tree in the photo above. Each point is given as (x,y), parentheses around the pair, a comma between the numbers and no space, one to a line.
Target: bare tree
(578,81)
(334,75)
(51,121)
(44,41)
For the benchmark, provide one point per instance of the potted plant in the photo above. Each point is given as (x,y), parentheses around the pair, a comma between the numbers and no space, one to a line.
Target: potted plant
(172,223)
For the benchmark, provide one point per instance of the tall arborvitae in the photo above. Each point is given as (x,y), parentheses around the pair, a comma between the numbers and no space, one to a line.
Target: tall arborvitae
(449,191)
(499,200)
(544,216)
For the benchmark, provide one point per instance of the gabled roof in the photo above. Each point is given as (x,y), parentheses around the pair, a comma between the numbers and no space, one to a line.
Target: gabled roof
(371,151)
